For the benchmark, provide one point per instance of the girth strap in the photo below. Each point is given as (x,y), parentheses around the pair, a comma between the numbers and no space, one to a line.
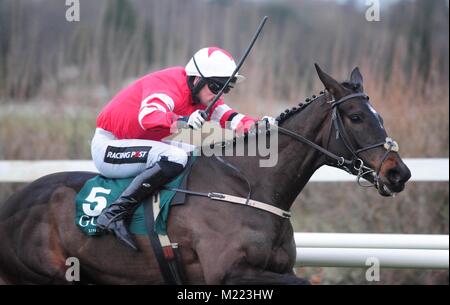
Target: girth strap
(166,254)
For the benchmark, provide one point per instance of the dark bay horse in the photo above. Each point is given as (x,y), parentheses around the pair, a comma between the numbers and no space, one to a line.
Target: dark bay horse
(220,243)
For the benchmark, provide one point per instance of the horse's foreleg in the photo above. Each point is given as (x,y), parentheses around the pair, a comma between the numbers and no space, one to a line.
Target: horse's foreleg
(250,276)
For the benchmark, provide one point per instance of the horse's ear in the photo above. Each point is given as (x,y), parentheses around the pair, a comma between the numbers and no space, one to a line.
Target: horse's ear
(333,86)
(356,78)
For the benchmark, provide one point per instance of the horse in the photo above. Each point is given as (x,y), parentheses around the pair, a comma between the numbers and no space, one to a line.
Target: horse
(220,243)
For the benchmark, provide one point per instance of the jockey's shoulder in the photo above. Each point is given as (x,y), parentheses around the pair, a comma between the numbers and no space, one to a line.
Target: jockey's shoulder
(171,72)
(170,75)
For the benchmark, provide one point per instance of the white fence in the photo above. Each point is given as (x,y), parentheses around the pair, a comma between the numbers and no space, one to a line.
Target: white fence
(435,169)
(357,250)
(314,249)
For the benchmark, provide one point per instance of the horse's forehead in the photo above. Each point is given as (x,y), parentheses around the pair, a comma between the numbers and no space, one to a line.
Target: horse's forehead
(376,114)
(372,109)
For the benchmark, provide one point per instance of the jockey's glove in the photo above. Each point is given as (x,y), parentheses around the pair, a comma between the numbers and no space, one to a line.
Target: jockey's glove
(269,120)
(196,120)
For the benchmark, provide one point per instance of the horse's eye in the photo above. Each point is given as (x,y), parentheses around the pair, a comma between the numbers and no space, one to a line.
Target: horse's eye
(355,118)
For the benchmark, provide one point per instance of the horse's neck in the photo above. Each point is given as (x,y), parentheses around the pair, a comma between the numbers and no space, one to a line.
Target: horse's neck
(280,185)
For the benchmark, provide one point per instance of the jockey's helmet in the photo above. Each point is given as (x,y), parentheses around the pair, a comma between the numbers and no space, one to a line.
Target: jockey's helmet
(210,64)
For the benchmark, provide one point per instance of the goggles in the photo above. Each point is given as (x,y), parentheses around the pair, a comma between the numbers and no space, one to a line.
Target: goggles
(215,86)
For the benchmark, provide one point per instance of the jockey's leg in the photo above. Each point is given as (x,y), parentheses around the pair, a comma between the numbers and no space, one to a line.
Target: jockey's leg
(163,163)
(116,218)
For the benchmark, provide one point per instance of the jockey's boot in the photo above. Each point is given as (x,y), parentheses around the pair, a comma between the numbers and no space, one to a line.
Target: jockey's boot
(117,217)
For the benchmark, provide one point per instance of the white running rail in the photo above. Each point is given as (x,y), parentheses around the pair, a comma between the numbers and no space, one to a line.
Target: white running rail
(358,250)
(434,169)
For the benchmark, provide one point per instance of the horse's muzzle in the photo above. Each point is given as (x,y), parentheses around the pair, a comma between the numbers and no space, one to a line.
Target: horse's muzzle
(393,176)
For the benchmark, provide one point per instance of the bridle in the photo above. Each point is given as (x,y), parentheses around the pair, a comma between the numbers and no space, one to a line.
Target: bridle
(355,163)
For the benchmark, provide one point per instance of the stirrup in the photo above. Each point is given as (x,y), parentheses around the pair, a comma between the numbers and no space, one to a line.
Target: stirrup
(126,238)
(110,221)
(119,228)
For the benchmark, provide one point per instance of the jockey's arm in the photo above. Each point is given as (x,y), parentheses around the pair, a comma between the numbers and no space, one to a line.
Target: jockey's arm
(231,119)
(156,114)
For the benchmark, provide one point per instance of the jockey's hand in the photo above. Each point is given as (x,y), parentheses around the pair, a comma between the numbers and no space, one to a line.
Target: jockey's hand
(196,120)
(269,120)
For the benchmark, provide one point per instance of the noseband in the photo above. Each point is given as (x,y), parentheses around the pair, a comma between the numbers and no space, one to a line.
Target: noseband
(355,163)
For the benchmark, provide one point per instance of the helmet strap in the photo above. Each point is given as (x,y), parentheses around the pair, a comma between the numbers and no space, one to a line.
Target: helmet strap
(200,84)
(196,67)
(195,89)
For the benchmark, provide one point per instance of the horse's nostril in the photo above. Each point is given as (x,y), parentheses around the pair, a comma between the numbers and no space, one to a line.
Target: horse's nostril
(394,176)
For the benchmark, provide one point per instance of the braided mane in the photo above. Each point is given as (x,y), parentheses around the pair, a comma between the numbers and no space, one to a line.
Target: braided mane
(302,105)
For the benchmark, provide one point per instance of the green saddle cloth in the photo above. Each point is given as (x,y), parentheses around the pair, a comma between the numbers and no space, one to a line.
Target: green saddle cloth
(99,192)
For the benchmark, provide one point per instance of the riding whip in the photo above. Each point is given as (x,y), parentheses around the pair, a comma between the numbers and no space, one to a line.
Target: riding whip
(206,112)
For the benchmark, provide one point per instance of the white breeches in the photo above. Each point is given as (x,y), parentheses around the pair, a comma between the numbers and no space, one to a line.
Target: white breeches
(129,157)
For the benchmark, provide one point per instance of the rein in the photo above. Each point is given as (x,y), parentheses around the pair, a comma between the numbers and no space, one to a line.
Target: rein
(235,199)
(356,162)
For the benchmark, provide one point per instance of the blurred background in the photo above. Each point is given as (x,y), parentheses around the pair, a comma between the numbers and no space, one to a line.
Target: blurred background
(56,75)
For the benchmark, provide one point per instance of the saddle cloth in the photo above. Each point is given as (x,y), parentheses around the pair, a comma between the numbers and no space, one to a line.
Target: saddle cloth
(99,192)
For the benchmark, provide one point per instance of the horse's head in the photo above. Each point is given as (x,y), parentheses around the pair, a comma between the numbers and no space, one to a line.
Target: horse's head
(357,133)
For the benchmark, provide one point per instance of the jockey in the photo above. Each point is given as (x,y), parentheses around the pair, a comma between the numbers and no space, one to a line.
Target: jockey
(127,140)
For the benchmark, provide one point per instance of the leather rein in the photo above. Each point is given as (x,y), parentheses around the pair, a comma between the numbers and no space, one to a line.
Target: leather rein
(355,163)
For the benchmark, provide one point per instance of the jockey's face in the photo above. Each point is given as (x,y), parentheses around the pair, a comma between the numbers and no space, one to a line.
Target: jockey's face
(205,95)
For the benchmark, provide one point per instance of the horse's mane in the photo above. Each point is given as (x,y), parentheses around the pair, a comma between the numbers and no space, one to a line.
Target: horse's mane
(302,105)
(296,109)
